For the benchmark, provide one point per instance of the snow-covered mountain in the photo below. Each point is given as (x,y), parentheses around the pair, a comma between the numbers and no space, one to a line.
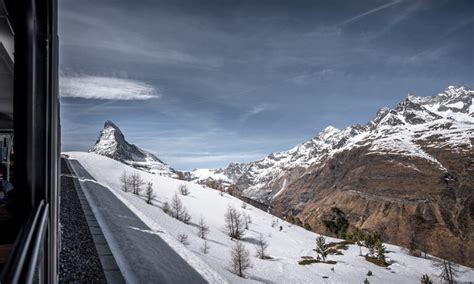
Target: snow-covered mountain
(225,176)
(111,143)
(408,173)
(446,119)
(288,244)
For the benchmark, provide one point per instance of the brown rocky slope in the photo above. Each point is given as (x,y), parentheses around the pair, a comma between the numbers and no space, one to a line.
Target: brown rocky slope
(380,193)
(408,174)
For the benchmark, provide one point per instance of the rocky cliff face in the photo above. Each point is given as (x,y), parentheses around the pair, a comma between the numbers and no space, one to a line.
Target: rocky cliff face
(111,143)
(407,174)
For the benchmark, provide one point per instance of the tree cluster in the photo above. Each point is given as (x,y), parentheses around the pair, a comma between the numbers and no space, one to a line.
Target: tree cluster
(234,191)
(211,183)
(178,211)
(133,183)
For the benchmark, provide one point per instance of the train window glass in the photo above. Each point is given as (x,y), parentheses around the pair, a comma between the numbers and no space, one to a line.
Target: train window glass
(9,227)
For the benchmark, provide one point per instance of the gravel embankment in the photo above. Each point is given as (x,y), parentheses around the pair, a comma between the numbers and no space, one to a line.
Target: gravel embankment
(79,261)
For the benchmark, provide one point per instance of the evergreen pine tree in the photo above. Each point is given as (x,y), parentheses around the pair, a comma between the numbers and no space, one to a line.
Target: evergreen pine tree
(321,247)
(425,279)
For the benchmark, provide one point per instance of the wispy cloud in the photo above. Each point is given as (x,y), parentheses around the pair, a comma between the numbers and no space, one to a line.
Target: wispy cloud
(309,77)
(255,110)
(369,12)
(106,88)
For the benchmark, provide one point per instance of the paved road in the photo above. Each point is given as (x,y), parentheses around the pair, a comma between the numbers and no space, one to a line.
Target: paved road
(141,256)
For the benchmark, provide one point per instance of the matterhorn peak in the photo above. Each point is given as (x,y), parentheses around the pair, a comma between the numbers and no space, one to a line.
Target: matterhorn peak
(109,123)
(111,143)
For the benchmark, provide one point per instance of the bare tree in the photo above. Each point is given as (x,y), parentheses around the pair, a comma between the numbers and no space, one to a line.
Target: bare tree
(178,211)
(234,223)
(261,246)
(321,247)
(124,181)
(136,182)
(205,247)
(246,223)
(203,228)
(149,193)
(448,270)
(183,238)
(240,260)
(183,189)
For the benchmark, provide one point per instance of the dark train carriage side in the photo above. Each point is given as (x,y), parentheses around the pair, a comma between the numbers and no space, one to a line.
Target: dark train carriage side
(29,141)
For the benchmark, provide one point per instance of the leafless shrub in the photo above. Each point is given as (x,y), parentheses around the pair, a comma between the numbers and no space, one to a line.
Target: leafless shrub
(183,189)
(183,238)
(240,260)
(149,193)
(203,228)
(205,247)
(261,246)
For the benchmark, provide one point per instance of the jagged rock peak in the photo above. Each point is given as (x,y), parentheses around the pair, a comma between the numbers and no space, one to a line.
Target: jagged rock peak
(109,123)
(111,143)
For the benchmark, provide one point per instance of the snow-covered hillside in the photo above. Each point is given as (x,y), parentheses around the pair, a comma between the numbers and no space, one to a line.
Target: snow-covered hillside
(111,143)
(286,247)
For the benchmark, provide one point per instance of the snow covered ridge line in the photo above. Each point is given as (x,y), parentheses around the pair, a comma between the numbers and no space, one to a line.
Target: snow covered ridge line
(448,117)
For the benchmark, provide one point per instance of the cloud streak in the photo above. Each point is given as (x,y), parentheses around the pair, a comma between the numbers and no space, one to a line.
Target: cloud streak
(255,110)
(106,88)
(371,11)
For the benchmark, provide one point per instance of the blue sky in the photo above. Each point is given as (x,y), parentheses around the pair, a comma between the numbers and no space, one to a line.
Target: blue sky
(204,83)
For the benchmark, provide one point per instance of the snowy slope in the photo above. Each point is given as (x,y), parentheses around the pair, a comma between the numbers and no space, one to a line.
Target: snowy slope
(286,247)
(443,121)
(111,143)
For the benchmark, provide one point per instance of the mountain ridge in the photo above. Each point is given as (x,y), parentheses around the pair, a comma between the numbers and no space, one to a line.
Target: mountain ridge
(411,111)
(406,174)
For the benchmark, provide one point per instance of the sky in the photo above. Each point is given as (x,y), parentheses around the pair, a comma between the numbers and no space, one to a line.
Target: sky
(205,83)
